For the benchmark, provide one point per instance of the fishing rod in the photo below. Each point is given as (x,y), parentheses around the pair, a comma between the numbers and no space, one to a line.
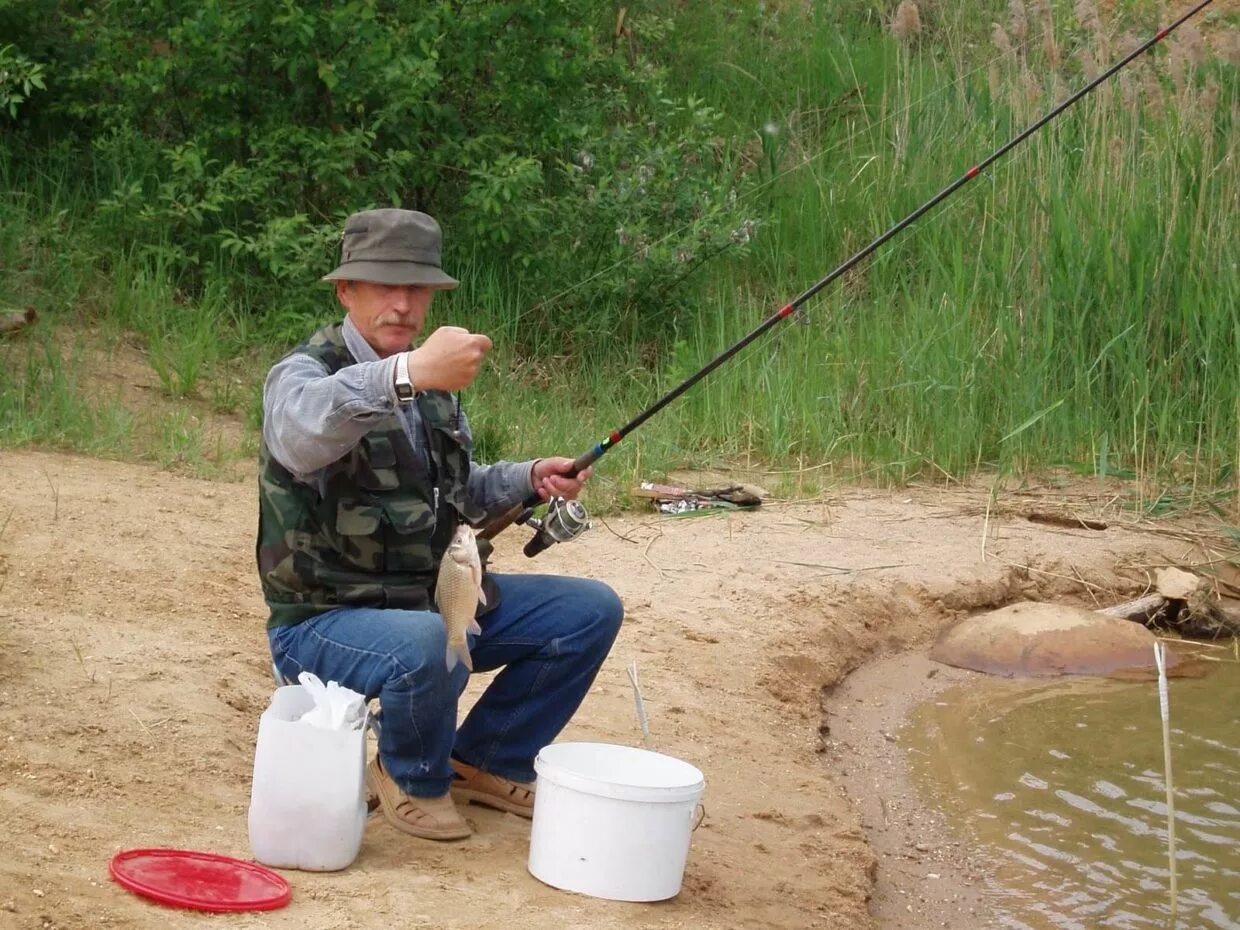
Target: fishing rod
(566,520)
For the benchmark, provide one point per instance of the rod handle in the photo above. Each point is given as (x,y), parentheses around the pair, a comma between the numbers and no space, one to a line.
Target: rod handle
(513,515)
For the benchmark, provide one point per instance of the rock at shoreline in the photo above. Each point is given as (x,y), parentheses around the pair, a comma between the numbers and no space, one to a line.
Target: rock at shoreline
(1034,640)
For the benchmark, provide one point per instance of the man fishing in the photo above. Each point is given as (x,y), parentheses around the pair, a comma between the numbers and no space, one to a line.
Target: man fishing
(365,477)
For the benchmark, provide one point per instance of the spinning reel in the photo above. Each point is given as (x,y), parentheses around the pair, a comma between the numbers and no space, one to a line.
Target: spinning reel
(564,520)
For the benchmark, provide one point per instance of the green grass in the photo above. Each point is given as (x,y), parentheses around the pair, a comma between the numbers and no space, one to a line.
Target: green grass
(43,403)
(1078,305)
(1085,287)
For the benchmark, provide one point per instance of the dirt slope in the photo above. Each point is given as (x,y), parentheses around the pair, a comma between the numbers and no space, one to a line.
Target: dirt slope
(133,669)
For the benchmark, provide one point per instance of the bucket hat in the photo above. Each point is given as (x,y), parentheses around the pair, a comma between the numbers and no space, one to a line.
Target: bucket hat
(391,246)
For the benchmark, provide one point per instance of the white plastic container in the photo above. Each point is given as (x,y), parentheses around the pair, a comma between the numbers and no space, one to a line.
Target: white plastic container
(612,821)
(308,799)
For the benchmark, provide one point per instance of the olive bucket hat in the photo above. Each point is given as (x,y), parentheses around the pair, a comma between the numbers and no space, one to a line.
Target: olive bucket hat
(391,246)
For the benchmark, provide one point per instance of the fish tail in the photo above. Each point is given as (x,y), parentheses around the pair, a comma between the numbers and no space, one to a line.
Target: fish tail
(459,652)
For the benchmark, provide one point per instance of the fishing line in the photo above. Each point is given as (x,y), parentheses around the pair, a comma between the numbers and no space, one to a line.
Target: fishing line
(1005,221)
(830,147)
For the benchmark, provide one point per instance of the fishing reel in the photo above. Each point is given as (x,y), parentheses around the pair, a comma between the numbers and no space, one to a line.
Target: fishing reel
(564,521)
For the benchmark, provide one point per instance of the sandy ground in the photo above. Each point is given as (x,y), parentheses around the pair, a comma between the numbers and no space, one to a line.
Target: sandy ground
(928,875)
(133,669)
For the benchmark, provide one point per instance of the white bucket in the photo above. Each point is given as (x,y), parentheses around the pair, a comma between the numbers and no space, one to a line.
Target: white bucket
(308,799)
(612,821)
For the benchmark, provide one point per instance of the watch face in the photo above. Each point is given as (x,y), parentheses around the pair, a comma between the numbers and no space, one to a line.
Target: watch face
(404,386)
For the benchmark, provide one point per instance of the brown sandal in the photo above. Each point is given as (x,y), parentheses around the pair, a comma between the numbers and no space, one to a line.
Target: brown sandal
(429,818)
(478,787)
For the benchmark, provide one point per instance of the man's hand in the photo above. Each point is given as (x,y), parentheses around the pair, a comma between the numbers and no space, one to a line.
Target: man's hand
(550,481)
(448,360)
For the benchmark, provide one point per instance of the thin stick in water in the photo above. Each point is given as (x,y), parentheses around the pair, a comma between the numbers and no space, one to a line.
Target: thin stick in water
(986,522)
(1165,710)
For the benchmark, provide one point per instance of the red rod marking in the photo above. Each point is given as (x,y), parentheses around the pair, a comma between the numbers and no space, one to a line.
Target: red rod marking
(786,310)
(972,172)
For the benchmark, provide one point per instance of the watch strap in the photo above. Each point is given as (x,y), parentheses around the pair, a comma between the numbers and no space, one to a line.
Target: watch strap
(404,386)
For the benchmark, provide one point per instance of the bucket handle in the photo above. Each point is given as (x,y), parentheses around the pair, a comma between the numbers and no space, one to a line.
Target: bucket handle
(699,815)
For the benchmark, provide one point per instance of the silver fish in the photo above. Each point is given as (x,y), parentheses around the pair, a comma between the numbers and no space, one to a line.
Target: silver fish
(458,592)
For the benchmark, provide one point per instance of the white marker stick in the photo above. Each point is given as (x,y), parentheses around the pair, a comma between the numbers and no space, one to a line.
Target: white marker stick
(1164,705)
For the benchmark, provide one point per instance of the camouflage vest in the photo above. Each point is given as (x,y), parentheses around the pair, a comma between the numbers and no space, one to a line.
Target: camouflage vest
(376,533)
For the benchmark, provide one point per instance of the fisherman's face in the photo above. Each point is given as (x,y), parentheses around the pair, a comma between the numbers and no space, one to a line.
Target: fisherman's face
(389,316)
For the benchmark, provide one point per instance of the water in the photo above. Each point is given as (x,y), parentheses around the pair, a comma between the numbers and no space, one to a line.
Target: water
(1064,783)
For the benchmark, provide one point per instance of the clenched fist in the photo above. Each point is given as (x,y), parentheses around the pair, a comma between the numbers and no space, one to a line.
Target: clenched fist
(448,360)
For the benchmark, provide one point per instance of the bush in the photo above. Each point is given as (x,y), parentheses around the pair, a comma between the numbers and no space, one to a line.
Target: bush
(19,78)
(247,131)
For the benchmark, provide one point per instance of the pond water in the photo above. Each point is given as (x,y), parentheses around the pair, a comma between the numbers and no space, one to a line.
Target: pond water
(1064,784)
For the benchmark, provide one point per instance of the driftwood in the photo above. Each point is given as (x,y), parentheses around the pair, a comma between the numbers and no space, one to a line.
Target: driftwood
(1205,618)
(19,319)
(1144,609)
(1182,603)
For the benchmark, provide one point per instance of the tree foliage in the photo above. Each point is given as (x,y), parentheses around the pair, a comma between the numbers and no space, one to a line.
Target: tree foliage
(246,131)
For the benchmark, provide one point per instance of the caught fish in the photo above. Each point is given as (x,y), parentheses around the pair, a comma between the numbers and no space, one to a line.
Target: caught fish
(458,591)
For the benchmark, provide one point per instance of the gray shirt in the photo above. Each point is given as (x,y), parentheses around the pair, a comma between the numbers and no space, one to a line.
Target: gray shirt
(312,418)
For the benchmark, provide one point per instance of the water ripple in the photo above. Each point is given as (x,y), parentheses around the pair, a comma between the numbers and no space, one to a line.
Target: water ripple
(1081,829)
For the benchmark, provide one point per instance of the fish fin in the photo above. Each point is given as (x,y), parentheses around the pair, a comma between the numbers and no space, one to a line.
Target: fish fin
(475,573)
(459,653)
(474,627)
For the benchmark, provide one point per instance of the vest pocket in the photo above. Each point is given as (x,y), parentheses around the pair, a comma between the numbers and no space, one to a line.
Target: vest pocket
(408,547)
(451,437)
(375,469)
(354,518)
(410,515)
(360,535)
(386,536)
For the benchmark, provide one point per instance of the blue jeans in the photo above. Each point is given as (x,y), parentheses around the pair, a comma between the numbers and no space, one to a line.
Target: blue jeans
(549,633)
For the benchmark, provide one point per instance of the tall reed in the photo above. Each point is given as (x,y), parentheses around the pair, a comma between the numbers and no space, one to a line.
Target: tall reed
(1083,295)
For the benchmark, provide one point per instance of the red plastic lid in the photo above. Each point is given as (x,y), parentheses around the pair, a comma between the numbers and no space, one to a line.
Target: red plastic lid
(198,880)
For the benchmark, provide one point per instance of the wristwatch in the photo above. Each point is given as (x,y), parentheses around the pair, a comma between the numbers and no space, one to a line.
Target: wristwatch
(404,387)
